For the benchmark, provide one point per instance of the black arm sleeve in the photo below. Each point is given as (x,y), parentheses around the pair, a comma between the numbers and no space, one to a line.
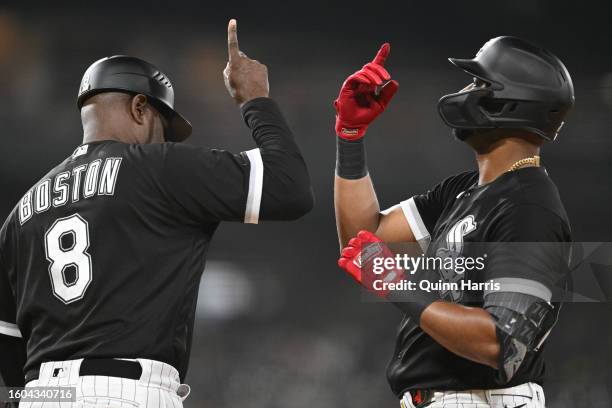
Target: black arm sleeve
(287,193)
(12,360)
(270,182)
(12,346)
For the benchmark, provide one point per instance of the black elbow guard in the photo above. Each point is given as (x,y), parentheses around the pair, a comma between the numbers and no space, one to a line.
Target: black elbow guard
(287,191)
(297,205)
(523,322)
(287,201)
(307,201)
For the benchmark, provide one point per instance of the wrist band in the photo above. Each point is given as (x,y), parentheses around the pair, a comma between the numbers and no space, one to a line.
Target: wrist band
(351,159)
(413,302)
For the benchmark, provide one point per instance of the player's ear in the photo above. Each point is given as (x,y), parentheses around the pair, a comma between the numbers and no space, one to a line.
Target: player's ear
(138,108)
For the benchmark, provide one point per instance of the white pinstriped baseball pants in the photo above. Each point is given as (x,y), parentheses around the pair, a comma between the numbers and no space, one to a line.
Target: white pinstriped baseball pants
(158,387)
(529,395)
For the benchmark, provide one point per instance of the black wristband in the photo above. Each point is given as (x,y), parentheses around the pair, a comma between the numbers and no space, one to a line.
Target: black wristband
(351,159)
(413,302)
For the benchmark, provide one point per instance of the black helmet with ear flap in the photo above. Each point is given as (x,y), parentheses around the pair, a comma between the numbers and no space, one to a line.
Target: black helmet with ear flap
(527,88)
(132,75)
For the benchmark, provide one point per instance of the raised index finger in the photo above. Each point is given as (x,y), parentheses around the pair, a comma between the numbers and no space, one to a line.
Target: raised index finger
(232,40)
(382,54)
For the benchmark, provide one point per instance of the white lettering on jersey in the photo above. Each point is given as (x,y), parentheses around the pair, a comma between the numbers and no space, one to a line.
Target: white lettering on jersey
(454,238)
(42,194)
(91,178)
(61,189)
(25,208)
(76,182)
(100,179)
(454,249)
(109,176)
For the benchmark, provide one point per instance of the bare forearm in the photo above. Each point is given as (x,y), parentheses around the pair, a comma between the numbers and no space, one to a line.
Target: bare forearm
(466,331)
(356,207)
(362,98)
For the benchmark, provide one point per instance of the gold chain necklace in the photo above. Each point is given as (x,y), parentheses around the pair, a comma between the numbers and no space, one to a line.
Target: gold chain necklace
(534,161)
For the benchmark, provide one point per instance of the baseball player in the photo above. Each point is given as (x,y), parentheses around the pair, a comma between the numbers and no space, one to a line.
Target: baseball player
(101,259)
(458,346)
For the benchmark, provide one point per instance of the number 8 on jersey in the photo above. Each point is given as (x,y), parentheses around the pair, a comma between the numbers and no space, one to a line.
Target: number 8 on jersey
(76,256)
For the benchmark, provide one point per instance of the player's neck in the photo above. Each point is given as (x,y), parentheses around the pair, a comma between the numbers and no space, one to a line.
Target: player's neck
(96,132)
(91,138)
(106,122)
(501,155)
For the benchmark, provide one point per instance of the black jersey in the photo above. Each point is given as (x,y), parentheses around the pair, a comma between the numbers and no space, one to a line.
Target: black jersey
(519,206)
(103,256)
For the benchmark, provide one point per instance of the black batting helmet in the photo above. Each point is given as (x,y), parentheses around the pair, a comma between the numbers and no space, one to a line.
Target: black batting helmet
(135,76)
(523,87)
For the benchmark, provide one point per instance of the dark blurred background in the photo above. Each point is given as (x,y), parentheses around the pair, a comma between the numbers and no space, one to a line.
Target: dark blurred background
(278,324)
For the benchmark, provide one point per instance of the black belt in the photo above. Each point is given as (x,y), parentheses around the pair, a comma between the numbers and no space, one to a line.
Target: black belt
(108,367)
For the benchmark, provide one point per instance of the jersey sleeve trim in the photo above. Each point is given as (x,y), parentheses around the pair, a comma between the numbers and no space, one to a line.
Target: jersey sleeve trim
(524,286)
(389,210)
(419,230)
(251,214)
(10,329)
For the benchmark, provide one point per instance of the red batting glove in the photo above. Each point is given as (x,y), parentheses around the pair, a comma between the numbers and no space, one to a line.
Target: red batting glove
(363,96)
(358,260)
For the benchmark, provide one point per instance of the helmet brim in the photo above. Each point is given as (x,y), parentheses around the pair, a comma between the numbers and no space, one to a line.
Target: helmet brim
(470,66)
(178,128)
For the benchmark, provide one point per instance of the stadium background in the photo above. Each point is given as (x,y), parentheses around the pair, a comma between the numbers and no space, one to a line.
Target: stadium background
(278,324)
